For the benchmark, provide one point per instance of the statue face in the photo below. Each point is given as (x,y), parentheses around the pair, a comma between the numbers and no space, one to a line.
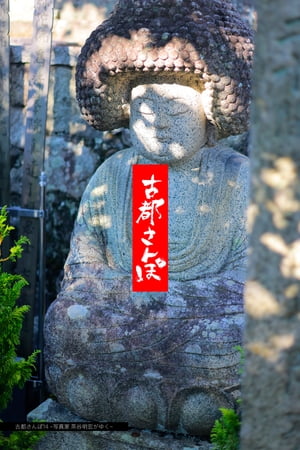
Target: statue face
(167,122)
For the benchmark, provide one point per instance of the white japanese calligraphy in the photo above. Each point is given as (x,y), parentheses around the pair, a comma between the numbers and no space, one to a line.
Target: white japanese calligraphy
(152,190)
(149,208)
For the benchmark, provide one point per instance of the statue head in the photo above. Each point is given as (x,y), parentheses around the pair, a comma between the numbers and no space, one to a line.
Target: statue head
(167,122)
(200,44)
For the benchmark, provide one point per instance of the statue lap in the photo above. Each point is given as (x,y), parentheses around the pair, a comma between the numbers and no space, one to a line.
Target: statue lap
(155,360)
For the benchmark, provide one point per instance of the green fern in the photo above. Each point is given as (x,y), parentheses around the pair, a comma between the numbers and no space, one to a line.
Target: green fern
(16,250)
(21,440)
(14,371)
(225,432)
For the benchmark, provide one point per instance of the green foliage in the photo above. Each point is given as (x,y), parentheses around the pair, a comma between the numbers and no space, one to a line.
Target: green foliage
(225,432)
(21,440)
(241,351)
(16,250)
(14,372)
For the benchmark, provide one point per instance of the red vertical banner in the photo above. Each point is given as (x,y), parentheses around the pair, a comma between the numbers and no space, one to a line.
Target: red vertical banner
(149,227)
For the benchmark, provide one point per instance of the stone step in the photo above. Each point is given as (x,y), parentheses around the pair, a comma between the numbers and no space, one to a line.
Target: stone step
(50,411)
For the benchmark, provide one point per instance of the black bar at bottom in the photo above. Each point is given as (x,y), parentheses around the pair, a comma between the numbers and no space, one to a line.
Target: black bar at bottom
(63,426)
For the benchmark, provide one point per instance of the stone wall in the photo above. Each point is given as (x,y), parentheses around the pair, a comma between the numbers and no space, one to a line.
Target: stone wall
(72,153)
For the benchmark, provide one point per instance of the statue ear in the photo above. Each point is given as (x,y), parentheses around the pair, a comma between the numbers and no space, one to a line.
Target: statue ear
(126,110)
(211,134)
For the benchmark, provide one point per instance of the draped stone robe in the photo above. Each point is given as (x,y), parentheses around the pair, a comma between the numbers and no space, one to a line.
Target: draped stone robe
(217,241)
(152,358)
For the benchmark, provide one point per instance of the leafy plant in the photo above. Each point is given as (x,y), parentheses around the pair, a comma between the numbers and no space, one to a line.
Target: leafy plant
(16,250)
(21,440)
(225,432)
(241,351)
(13,371)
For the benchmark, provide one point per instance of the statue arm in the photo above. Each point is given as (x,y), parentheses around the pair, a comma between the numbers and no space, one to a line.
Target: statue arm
(236,263)
(231,276)
(89,265)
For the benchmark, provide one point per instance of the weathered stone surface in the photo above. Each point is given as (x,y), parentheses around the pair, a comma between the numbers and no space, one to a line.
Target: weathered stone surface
(271,391)
(50,411)
(204,44)
(17,128)
(73,149)
(69,165)
(161,361)
(18,84)
(65,128)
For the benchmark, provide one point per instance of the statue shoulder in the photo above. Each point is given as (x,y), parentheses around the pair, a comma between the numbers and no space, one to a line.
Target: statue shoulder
(234,162)
(119,161)
(229,169)
(126,156)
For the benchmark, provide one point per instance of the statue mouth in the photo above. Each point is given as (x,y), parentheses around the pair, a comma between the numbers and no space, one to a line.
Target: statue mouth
(164,139)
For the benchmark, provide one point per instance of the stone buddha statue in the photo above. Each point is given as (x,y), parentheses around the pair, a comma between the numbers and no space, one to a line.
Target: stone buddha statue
(164,360)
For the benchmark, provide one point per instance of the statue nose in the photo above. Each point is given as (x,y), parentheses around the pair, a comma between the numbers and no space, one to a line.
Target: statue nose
(163,120)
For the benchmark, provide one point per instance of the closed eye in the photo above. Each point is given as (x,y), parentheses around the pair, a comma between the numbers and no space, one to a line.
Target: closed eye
(146,108)
(178,111)
(145,112)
